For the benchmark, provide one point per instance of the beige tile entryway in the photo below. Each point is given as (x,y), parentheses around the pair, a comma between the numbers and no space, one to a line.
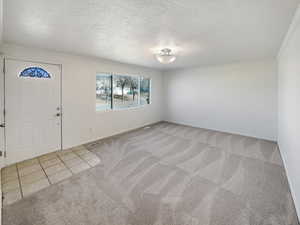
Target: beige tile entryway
(27,177)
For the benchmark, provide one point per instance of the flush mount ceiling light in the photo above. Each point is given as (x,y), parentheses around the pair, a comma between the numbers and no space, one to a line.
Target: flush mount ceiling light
(165,56)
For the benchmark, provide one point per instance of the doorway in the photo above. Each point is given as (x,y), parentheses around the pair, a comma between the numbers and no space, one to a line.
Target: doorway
(33,122)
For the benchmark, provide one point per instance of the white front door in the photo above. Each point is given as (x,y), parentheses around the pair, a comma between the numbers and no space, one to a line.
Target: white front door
(32,109)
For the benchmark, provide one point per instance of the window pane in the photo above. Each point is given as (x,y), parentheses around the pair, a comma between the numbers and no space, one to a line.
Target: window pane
(103,92)
(125,91)
(35,72)
(145,91)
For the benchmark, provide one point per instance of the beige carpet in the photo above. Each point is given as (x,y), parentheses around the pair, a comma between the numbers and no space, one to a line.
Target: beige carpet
(168,175)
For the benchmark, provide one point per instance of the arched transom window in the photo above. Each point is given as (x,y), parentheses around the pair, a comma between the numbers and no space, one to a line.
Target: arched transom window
(35,72)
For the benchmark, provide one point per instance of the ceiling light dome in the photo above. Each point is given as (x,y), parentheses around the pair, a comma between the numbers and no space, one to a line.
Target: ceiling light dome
(165,56)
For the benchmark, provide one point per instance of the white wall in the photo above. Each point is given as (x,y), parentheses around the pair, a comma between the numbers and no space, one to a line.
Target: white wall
(238,98)
(289,107)
(81,123)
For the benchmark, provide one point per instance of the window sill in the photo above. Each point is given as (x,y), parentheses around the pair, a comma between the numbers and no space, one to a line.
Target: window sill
(120,110)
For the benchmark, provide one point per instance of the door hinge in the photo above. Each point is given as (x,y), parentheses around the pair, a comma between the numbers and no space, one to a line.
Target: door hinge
(3,69)
(3,153)
(2,125)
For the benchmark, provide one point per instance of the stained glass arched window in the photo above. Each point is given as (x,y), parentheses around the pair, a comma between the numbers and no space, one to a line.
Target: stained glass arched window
(35,72)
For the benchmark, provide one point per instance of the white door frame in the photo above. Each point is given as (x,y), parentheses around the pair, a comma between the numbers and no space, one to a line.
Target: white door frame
(2,113)
(2,162)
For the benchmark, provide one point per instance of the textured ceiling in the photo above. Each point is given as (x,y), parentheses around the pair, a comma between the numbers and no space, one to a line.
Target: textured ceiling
(201,31)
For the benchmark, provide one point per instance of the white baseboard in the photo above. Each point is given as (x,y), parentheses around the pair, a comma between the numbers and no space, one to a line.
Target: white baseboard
(225,131)
(290,183)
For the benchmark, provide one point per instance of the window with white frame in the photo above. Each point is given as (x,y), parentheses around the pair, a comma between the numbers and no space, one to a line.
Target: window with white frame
(125,91)
(121,91)
(144,91)
(103,92)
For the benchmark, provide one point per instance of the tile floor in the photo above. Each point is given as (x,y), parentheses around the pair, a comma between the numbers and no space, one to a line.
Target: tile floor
(27,177)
